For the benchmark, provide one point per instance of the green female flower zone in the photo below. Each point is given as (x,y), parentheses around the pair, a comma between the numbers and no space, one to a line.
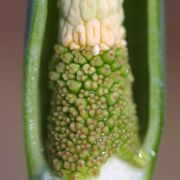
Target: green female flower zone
(91,129)
(92,116)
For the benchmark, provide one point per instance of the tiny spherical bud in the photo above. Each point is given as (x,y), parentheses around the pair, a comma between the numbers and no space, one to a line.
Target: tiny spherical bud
(94,171)
(89,121)
(67,57)
(79,126)
(73,166)
(81,163)
(54,76)
(71,98)
(117,63)
(88,69)
(94,77)
(79,119)
(92,112)
(91,139)
(60,67)
(70,144)
(65,109)
(73,127)
(78,148)
(74,86)
(105,70)
(65,76)
(60,49)
(84,114)
(87,52)
(63,146)
(73,68)
(67,165)
(115,76)
(94,85)
(86,93)
(87,85)
(96,61)
(81,76)
(108,56)
(112,98)
(79,59)
(85,130)
(84,154)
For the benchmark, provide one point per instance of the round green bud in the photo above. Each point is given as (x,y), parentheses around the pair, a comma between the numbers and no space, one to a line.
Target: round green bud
(118,52)
(105,70)
(84,154)
(60,67)
(73,68)
(112,98)
(94,171)
(67,165)
(107,83)
(81,76)
(60,49)
(73,111)
(91,139)
(72,127)
(57,164)
(124,71)
(74,86)
(81,163)
(73,167)
(87,85)
(117,64)
(54,76)
(84,114)
(116,76)
(67,57)
(108,56)
(96,61)
(79,119)
(87,53)
(79,59)
(88,69)
(81,101)
(95,77)
(71,98)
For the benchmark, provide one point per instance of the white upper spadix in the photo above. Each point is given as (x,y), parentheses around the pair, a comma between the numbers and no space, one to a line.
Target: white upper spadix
(91,23)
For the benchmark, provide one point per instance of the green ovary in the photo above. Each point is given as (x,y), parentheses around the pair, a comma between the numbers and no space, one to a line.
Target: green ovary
(92,113)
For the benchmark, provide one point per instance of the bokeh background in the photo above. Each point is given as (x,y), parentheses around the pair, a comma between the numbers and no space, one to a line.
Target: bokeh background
(12,159)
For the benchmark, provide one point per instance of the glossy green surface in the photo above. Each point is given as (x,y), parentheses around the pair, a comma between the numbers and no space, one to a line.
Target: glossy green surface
(144,20)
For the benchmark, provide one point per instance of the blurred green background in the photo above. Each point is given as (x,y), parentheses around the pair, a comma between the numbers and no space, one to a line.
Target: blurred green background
(12,160)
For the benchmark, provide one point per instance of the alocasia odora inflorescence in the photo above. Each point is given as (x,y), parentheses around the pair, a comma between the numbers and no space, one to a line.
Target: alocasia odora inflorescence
(89,128)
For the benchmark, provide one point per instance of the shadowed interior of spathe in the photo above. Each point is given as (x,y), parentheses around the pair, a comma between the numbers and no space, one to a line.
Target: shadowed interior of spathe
(138,52)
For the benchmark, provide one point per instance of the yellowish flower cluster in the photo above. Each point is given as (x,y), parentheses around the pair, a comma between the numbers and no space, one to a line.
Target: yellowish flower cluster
(91,23)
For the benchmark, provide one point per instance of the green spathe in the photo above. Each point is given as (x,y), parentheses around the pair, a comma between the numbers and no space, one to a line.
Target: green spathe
(41,36)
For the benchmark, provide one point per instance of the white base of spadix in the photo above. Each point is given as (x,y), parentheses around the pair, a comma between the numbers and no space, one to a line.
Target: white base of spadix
(113,169)
(116,169)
